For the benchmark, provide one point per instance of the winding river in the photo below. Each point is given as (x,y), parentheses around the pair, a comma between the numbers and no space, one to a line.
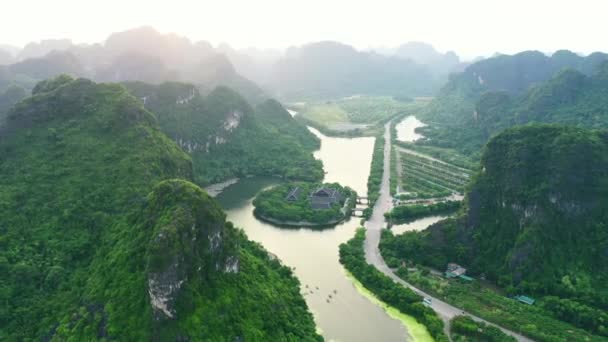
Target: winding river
(347,315)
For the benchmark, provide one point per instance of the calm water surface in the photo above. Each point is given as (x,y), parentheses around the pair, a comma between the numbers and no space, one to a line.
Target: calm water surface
(406,129)
(417,225)
(347,315)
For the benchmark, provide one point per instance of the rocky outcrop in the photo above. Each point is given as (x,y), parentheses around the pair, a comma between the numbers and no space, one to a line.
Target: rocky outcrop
(189,243)
(163,288)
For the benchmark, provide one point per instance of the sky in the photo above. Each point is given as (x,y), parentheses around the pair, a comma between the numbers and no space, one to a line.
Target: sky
(469,27)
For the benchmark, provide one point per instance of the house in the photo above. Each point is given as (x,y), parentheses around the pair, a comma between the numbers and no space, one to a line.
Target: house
(525,299)
(324,198)
(455,270)
(294,194)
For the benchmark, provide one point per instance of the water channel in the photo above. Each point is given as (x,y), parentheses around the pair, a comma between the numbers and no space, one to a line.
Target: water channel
(313,254)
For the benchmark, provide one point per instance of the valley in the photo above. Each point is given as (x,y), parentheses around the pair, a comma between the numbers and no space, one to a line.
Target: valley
(313,254)
(159,187)
(356,115)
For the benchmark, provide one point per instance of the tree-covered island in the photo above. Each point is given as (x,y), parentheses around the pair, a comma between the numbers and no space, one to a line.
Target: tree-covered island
(305,204)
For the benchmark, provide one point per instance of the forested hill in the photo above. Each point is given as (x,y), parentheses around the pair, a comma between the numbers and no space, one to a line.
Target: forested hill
(330,70)
(99,240)
(228,138)
(506,90)
(536,218)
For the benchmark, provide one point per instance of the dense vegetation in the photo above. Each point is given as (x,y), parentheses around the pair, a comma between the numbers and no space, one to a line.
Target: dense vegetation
(355,114)
(423,177)
(484,300)
(500,92)
(228,138)
(375,175)
(355,109)
(9,98)
(272,204)
(404,213)
(97,241)
(465,329)
(535,221)
(352,256)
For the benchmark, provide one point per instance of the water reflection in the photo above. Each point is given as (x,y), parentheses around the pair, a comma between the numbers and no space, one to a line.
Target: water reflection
(340,311)
(406,129)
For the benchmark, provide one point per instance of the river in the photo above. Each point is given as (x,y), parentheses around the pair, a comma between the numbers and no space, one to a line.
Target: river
(406,129)
(417,225)
(348,315)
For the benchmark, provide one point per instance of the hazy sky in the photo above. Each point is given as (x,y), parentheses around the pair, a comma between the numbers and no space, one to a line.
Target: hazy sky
(470,27)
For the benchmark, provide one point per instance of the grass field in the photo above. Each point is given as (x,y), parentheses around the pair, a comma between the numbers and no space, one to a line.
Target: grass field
(356,112)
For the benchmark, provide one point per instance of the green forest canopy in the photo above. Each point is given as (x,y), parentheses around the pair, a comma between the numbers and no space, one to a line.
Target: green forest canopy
(85,224)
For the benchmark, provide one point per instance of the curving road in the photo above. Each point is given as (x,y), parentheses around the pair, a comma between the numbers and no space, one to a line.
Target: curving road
(374,227)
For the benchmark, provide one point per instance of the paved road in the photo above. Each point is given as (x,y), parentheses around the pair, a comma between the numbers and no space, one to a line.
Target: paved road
(372,253)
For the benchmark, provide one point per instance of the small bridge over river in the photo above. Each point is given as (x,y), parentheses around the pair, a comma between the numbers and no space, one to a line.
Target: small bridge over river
(357,211)
(362,200)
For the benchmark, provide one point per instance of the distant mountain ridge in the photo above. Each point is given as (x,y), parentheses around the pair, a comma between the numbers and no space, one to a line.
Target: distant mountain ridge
(332,70)
(141,54)
(441,64)
(499,92)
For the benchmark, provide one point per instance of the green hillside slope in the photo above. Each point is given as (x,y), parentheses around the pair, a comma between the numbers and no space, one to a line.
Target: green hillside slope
(98,240)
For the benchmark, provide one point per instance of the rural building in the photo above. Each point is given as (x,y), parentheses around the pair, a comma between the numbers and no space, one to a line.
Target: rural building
(455,270)
(324,198)
(525,299)
(294,194)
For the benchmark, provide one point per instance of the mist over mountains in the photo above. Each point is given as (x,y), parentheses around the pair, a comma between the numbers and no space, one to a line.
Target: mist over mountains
(144,54)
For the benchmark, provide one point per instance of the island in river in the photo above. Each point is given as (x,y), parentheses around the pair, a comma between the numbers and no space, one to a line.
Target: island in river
(303,204)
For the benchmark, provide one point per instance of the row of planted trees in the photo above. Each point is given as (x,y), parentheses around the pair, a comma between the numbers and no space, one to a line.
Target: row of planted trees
(352,256)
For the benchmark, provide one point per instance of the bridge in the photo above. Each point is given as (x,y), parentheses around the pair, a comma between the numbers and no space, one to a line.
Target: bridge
(362,200)
(357,211)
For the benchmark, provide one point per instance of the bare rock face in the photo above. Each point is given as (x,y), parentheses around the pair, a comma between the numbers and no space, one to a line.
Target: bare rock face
(191,242)
(163,288)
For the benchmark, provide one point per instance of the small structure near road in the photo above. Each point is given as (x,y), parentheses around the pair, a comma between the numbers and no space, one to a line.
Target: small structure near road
(324,198)
(525,299)
(454,270)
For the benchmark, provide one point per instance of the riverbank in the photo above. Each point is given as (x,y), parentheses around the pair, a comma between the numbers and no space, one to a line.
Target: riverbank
(215,189)
(374,227)
(305,204)
(299,224)
(312,253)
(417,331)
(352,257)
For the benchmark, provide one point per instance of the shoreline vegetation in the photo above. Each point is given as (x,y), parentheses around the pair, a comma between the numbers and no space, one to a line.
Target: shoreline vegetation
(299,224)
(352,257)
(350,117)
(415,329)
(465,329)
(408,213)
(302,204)
(375,175)
(216,188)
